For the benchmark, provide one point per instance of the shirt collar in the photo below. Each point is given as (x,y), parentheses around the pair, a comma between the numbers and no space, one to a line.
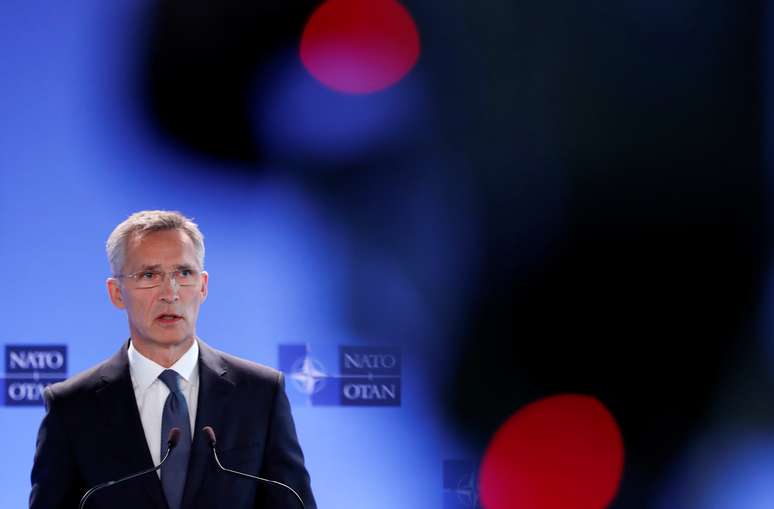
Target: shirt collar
(145,371)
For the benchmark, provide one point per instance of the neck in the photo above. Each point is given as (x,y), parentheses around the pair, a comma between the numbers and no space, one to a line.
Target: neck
(163,355)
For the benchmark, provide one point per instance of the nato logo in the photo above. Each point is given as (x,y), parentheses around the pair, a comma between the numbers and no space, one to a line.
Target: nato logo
(29,369)
(460,485)
(343,376)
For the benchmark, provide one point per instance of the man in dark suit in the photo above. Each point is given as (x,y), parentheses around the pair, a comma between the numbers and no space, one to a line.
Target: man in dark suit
(114,419)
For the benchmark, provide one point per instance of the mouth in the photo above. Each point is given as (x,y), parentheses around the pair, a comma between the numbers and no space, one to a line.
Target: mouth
(168,318)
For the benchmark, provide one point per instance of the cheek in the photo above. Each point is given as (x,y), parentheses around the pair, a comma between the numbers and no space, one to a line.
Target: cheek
(193,309)
(141,309)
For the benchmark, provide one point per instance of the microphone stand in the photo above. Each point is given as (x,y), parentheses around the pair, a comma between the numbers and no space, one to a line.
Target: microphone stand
(212,440)
(171,445)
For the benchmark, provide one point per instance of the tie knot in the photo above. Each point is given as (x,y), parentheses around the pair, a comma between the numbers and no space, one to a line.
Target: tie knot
(170,379)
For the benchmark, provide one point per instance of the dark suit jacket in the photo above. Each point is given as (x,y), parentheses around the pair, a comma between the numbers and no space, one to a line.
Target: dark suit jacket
(92,433)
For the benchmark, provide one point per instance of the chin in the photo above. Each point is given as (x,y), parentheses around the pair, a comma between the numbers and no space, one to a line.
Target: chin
(179,341)
(171,341)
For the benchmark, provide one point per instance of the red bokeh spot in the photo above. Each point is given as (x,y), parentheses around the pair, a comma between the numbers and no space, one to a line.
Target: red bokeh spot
(360,46)
(562,452)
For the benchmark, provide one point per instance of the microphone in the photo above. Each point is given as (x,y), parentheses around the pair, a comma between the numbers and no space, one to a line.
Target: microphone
(213,442)
(174,437)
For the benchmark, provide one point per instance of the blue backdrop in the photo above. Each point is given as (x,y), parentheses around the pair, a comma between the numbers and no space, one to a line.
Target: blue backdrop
(77,158)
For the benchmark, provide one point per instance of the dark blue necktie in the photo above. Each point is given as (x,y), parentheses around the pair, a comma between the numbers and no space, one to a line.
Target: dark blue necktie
(175,416)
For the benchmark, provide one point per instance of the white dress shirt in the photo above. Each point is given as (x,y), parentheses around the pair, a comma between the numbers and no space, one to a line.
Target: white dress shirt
(151,393)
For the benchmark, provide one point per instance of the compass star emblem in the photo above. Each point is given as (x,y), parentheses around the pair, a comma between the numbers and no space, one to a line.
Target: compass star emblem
(308,375)
(467,491)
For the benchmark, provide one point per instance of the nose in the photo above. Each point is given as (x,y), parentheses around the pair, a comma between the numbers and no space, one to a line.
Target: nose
(169,288)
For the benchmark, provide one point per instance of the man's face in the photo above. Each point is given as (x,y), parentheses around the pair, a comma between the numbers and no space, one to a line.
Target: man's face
(165,315)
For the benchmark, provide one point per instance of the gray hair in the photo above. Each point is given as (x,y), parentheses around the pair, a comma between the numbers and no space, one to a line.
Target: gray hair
(144,222)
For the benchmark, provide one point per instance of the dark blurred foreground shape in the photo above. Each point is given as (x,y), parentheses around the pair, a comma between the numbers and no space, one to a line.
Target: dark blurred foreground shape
(648,293)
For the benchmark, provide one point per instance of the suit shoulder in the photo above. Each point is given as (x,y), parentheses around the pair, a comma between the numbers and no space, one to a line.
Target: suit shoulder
(248,370)
(80,384)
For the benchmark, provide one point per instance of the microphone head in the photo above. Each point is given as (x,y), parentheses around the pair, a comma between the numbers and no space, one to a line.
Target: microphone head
(210,435)
(174,437)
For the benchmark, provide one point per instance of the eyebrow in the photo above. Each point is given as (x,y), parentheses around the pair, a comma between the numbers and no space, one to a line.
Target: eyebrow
(158,266)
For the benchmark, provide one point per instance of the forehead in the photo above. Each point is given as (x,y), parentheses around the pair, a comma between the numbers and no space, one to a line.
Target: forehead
(166,248)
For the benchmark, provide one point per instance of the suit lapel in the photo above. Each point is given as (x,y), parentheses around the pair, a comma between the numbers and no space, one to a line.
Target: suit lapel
(215,387)
(117,405)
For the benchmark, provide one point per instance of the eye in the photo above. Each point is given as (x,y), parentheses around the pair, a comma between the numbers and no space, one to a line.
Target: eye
(186,272)
(147,275)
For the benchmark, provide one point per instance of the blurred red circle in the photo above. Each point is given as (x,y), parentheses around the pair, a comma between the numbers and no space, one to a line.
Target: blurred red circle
(360,46)
(561,452)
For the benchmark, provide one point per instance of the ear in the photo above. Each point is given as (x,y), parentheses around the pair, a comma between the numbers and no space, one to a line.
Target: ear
(203,289)
(114,292)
